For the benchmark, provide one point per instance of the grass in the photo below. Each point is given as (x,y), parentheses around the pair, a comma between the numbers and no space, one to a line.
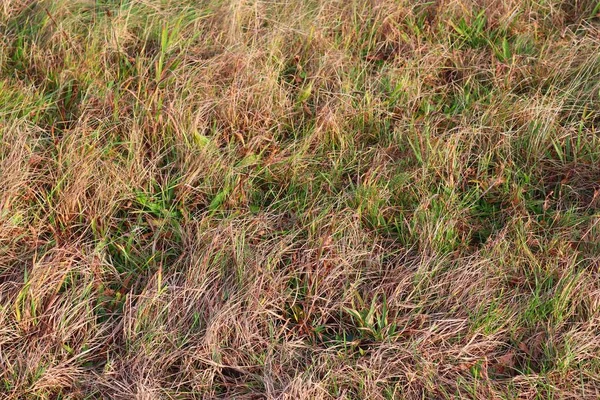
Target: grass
(299,199)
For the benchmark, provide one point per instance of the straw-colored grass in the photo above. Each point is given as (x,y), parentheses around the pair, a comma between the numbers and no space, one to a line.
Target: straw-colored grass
(299,199)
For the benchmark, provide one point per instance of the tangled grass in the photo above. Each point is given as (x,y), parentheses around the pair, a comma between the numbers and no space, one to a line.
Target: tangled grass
(299,199)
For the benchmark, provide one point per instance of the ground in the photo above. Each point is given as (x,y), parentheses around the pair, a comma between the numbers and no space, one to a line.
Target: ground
(299,199)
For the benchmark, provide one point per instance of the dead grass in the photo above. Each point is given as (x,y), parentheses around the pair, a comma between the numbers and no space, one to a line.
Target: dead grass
(299,199)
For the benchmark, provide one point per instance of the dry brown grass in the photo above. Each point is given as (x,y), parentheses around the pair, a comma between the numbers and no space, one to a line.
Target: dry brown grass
(299,199)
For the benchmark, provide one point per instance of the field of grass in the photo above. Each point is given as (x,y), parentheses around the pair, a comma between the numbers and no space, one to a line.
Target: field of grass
(299,199)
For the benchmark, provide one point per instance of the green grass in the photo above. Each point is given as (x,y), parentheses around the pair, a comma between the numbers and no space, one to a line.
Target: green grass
(299,199)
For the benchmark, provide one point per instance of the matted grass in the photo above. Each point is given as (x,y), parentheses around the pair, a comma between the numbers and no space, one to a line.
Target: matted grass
(299,199)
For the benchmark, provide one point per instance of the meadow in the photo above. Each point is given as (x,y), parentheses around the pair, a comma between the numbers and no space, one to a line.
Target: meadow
(299,199)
